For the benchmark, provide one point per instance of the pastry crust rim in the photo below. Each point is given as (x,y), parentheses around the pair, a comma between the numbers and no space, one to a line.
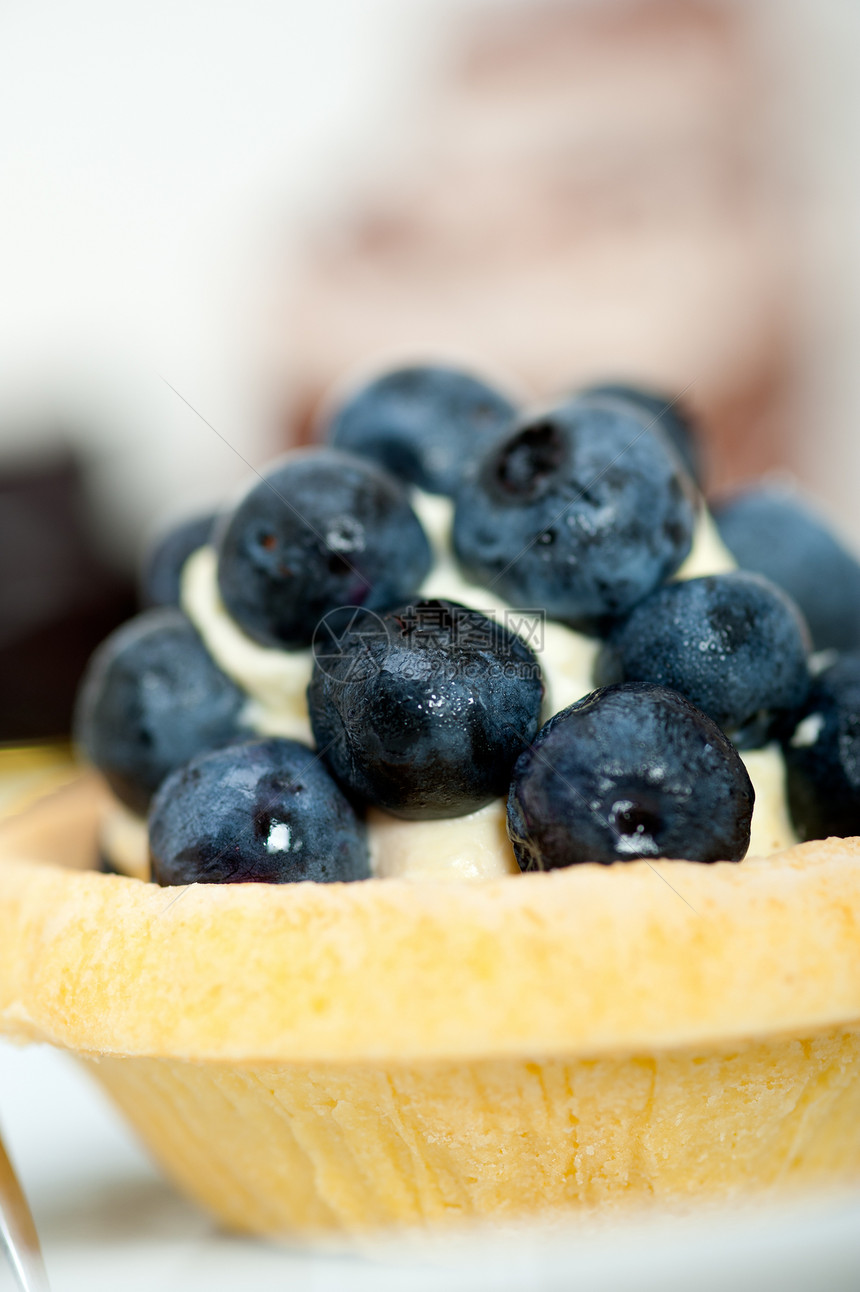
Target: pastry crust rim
(585,962)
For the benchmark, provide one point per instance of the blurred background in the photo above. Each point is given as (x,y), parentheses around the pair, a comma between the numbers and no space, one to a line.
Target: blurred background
(211,211)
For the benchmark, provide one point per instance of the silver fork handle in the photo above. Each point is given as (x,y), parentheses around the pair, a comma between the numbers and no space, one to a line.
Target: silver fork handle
(18,1233)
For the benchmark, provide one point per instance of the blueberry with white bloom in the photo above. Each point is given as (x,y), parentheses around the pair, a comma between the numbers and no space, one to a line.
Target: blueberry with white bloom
(581,510)
(423,711)
(773,531)
(161,576)
(822,756)
(322,529)
(630,771)
(734,644)
(264,812)
(425,423)
(151,698)
(667,411)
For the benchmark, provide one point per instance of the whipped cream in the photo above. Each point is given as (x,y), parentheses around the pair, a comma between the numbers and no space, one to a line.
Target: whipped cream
(469,847)
(124,840)
(274,680)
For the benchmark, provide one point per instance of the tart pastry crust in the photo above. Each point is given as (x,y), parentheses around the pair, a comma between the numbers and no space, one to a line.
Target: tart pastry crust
(320,1058)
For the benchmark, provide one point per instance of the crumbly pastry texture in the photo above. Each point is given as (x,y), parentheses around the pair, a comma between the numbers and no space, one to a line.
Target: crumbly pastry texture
(314,1060)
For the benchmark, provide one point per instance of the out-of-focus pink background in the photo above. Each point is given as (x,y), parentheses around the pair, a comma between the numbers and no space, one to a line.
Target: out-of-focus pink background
(176,175)
(242,200)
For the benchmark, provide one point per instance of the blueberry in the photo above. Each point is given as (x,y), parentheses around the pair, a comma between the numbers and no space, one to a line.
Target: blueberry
(581,510)
(630,771)
(425,424)
(162,569)
(263,812)
(323,529)
(733,644)
(771,531)
(822,757)
(152,698)
(424,711)
(667,412)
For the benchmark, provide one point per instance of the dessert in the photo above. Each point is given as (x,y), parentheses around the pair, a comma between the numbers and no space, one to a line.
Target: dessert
(621,774)
(452,1038)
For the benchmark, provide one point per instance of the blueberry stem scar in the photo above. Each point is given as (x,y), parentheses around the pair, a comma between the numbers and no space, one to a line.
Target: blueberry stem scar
(566,508)
(587,806)
(316,757)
